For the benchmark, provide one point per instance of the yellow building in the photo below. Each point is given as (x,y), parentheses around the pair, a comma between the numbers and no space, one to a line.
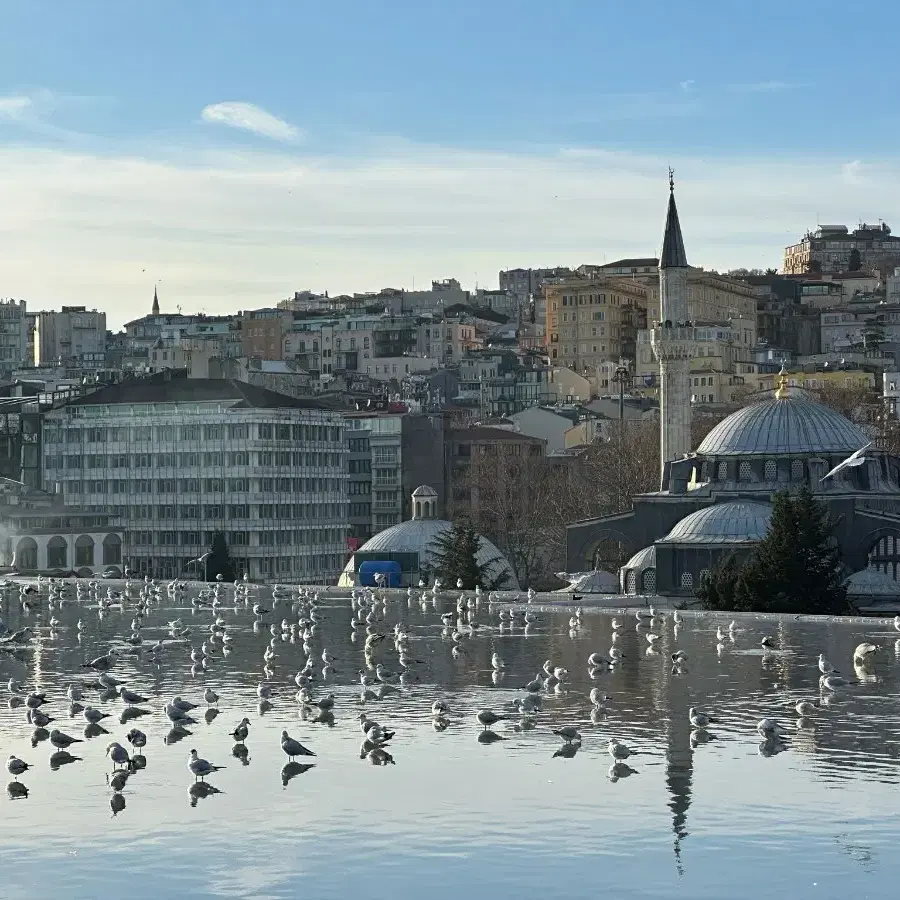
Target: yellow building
(816,381)
(711,298)
(592,321)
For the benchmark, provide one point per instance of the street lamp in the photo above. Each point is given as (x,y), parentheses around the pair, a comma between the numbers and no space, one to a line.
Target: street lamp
(621,377)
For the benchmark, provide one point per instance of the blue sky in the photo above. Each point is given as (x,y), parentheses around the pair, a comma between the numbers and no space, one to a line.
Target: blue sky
(238,151)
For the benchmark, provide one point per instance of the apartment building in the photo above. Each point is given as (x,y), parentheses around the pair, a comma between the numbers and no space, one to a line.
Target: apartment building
(263,332)
(74,335)
(593,320)
(14,336)
(834,248)
(177,460)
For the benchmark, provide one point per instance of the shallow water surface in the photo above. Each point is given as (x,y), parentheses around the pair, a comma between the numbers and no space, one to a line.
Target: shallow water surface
(710,814)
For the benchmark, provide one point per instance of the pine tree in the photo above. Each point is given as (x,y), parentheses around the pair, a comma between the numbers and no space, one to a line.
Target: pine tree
(855,263)
(219,561)
(717,588)
(796,567)
(455,557)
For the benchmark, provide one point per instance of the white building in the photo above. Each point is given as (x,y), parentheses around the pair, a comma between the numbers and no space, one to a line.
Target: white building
(74,334)
(14,336)
(178,460)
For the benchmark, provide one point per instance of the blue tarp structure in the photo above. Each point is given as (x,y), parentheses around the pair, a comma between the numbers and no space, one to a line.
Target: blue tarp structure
(368,570)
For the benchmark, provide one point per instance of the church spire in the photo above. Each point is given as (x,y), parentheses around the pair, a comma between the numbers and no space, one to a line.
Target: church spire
(673,255)
(155,310)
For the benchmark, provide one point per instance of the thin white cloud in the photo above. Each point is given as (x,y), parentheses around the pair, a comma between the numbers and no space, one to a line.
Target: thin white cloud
(250,117)
(12,107)
(767,87)
(245,230)
(687,85)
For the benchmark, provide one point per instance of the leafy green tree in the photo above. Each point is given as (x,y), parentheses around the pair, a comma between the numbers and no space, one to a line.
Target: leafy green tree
(795,568)
(455,557)
(219,561)
(717,588)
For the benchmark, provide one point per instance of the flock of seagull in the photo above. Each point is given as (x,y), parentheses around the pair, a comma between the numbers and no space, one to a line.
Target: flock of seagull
(388,668)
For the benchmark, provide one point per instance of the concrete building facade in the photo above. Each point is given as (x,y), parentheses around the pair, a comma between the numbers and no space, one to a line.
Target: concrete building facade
(177,460)
(74,335)
(832,248)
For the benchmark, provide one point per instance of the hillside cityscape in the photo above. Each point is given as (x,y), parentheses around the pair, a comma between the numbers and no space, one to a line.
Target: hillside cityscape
(300,431)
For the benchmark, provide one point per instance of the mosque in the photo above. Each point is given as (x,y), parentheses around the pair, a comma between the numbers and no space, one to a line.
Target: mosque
(404,553)
(716,500)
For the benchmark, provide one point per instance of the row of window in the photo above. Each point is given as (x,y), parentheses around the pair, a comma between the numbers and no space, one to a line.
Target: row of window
(267,431)
(302,512)
(169,567)
(315,486)
(745,470)
(314,538)
(76,462)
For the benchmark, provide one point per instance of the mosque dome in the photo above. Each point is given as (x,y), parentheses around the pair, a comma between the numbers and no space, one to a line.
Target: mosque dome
(418,534)
(739,522)
(785,426)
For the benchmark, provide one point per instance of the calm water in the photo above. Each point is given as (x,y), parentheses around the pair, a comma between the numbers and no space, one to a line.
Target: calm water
(712,816)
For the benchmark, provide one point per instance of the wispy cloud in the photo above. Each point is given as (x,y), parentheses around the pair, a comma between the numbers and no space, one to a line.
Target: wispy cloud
(687,85)
(12,107)
(250,117)
(242,230)
(767,87)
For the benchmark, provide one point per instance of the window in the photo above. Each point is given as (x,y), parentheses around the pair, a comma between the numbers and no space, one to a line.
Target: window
(796,470)
(264,431)
(745,472)
(283,458)
(189,485)
(236,484)
(213,432)
(770,470)
(238,538)
(238,511)
(687,581)
(264,457)
(189,432)
(266,510)
(649,581)
(267,484)
(283,432)
(239,458)
(213,458)
(722,471)
(240,431)
(189,459)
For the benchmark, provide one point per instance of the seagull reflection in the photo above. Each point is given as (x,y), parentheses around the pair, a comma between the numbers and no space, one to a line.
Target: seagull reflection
(241,752)
(176,733)
(620,770)
(118,779)
(210,715)
(700,736)
(568,750)
(38,736)
(489,737)
(93,730)
(771,746)
(378,756)
(263,707)
(200,790)
(292,769)
(62,758)
(116,803)
(16,790)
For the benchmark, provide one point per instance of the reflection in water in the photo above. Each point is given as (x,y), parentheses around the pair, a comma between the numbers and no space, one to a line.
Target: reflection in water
(548,754)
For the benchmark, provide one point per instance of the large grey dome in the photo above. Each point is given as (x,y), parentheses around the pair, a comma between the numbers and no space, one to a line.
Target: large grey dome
(725,523)
(786,426)
(418,536)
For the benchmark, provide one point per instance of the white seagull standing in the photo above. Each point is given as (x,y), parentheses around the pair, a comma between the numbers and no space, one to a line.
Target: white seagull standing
(200,768)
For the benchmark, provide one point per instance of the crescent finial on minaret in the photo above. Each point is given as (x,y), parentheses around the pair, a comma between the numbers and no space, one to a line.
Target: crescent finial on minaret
(671,179)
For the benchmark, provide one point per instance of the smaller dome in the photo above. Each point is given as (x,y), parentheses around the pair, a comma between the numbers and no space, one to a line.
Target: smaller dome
(424,490)
(643,559)
(724,523)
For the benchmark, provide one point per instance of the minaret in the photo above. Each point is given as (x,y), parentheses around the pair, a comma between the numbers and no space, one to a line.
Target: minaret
(673,343)
(155,309)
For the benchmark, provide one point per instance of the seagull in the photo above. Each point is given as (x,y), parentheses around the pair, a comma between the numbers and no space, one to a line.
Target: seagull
(699,719)
(211,697)
(293,747)
(487,717)
(440,708)
(200,768)
(618,750)
(769,729)
(833,681)
(240,733)
(805,708)
(598,698)
(118,754)
(102,663)
(136,738)
(857,458)
(569,732)
(61,741)
(825,667)
(768,642)
(130,697)
(16,766)
(863,652)
(263,691)
(93,716)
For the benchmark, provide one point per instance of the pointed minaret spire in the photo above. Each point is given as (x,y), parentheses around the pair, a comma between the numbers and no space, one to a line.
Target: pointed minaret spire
(155,310)
(673,255)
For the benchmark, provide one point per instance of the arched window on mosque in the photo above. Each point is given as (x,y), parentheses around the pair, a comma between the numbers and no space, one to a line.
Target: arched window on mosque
(796,470)
(650,581)
(745,472)
(687,580)
(770,470)
(631,582)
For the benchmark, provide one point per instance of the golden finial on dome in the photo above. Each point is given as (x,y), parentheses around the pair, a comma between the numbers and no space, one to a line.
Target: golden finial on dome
(782,391)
